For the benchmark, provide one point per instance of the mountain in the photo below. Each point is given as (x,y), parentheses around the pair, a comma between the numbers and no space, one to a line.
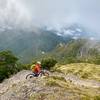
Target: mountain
(80,50)
(28,43)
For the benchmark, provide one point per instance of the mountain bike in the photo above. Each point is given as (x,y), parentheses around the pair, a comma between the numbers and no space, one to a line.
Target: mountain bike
(42,73)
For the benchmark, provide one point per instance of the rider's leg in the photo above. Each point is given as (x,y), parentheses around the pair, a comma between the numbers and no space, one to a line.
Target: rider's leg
(36,74)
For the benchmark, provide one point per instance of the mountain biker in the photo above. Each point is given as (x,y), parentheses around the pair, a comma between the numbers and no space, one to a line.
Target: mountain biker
(36,68)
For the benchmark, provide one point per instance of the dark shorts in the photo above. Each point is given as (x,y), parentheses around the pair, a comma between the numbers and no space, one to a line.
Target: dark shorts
(36,74)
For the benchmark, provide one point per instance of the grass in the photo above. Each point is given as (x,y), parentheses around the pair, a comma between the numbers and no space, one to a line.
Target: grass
(83,70)
(62,90)
(67,91)
(56,81)
(43,96)
(52,82)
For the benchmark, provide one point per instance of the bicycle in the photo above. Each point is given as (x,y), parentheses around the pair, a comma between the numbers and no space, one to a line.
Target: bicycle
(42,73)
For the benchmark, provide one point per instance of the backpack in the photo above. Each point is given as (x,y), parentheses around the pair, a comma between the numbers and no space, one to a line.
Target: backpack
(32,67)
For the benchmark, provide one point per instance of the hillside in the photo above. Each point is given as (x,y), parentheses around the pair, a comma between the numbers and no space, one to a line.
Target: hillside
(58,86)
(82,70)
(29,43)
(75,51)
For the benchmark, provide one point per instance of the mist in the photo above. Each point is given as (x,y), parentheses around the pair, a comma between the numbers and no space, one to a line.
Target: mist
(51,13)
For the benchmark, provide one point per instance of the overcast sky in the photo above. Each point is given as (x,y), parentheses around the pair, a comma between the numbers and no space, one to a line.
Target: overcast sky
(51,12)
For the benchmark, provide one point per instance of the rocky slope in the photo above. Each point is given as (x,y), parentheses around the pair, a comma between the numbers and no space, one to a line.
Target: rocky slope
(58,86)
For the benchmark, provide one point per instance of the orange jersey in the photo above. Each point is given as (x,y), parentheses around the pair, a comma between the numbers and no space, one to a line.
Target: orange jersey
(37,68)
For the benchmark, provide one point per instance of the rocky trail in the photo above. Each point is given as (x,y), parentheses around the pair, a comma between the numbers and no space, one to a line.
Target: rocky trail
(18,88)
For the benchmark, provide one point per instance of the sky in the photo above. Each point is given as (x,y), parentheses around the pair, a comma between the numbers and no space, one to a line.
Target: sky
(52,13)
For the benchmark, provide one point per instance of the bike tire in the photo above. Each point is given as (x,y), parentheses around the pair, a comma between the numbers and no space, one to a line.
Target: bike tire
(44,73)
(29,76)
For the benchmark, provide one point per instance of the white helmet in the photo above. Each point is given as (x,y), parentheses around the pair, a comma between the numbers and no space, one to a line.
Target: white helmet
(38,62)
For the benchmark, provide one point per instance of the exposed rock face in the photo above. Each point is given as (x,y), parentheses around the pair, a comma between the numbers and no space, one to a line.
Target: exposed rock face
(55,87)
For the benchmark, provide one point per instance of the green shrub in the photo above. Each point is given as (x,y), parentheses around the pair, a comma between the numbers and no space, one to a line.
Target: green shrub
(26,66)
(48,63)
(7,64)
(7,57)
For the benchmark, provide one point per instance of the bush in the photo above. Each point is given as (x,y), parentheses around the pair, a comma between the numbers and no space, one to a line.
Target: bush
(7,57)
(7,64)
(48,63)
(26,66)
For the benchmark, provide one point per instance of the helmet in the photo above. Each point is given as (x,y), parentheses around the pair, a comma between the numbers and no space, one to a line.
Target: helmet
(38,62)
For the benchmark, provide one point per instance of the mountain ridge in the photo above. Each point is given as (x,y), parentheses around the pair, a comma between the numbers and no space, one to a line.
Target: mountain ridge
(30,43)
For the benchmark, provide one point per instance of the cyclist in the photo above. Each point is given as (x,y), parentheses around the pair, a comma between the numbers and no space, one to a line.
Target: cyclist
(36,69)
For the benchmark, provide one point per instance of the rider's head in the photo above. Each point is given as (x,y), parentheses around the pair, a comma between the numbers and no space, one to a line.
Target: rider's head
(38,62)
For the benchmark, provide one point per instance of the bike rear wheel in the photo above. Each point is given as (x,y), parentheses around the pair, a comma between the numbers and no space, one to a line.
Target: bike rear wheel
(44,73)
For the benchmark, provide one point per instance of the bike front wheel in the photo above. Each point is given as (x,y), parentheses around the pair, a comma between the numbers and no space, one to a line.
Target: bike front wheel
(29,76)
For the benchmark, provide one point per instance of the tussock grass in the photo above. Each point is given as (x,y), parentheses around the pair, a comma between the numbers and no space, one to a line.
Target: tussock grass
(83,70)
(63,90)
(57,82)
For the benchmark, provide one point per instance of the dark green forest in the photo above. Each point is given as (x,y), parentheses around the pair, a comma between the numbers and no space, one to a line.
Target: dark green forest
(8,65)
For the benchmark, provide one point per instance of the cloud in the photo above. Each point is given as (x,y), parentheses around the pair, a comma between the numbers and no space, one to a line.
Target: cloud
(68,32)
(79,30)
(13,13)
(55,13)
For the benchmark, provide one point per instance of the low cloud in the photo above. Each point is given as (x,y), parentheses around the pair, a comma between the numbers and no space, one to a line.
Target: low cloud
(56,13)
